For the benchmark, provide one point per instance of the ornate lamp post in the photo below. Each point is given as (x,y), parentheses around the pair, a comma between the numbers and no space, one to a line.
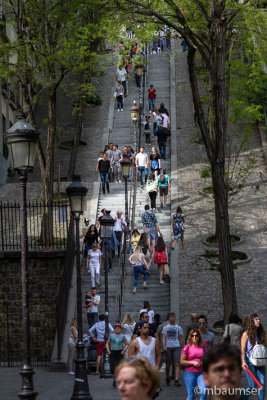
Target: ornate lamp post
(135,117)
(22,141)
(76,192)
(126,165)
(106,224)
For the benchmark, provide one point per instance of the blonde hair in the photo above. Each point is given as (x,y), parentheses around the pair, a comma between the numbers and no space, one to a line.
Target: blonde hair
(145,372)
(137,252)
(73,321)
(129,320)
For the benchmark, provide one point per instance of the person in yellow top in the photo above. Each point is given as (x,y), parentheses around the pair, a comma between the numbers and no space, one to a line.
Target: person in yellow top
(135,238)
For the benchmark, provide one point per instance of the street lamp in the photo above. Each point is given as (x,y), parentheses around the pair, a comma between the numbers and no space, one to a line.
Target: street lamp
(135,117)
(22,141)
(126,165)
(76,192)
(106,224)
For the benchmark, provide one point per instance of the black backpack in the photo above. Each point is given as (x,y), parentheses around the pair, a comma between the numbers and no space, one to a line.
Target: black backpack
(162,178)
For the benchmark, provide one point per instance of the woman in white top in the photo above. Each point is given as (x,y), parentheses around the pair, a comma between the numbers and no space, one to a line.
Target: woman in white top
(233,330)
(147,308)
(137,259)
(120,95)
(71,344)
(128,325)
(94,263)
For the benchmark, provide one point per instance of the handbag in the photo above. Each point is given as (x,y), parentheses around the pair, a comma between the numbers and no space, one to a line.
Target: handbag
(115,95)
(259,355)
(166,270)
(227,339)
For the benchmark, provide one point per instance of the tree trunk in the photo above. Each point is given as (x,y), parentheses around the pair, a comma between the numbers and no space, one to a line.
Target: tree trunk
(76,141)
(47,222)
(224,242)
(215,148)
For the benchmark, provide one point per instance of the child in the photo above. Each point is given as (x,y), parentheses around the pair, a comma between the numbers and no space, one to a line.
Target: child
(153,51)
(87,302)
(147,130)
(135,239)
(116,347)
(93,264)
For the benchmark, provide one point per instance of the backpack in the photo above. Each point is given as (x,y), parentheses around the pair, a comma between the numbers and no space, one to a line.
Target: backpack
(162,179)
(259,355)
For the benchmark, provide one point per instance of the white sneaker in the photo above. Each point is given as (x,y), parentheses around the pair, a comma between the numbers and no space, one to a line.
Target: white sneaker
(150,112)
(162,282)
(119,181)
(118,109)
(163,367)
(71,373)
(122,109)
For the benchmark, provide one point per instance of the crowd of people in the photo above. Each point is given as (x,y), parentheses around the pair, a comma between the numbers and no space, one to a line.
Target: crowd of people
(139,350)
(162,347)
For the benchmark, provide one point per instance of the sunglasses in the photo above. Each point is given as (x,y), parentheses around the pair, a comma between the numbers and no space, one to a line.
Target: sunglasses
(221,368)
(195,335)
(202,323)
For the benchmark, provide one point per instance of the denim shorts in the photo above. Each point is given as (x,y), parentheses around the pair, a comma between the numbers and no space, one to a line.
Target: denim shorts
(151,233)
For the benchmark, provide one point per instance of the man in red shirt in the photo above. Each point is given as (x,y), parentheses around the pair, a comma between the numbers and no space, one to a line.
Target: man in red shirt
(151,97)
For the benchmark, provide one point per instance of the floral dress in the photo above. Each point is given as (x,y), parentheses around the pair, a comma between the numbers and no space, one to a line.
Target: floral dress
(161,257)
(178,230)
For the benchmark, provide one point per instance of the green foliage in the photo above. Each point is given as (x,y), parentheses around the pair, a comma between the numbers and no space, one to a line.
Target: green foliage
(206,172)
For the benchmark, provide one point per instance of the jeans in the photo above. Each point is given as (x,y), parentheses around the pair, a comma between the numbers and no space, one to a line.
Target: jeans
(139,269)
(119,236)
(115,358)
(104,180)
(155,128)
(192,380)
(140,173)
(260,373)
(117,171)
(92,318)
(124,84)
(153,196)
(137,80)
(162,147)
(120,102)
(151,103)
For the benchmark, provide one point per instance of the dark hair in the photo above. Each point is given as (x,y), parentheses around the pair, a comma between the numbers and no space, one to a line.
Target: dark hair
(253,331)
(234,319)
(157,317)
(106,148)
(93,288)
(218,352)
(151,85)
(135,230)
(142,147)
(160,246)
(147,305)
(151,177)
(170,313)
(164,171)
(116,146)
(142,314)
(179,209)
(146,207)
(202,316)
(101,317)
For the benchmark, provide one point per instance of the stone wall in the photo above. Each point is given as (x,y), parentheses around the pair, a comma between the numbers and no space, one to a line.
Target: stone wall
(45,272)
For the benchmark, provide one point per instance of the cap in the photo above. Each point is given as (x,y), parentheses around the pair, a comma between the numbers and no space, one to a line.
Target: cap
(117,324)
(87,219)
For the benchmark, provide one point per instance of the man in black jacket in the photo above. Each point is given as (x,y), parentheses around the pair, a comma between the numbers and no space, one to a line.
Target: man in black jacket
(162,136)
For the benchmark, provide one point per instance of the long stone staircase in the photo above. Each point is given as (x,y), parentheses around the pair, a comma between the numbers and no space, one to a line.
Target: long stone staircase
(123,134)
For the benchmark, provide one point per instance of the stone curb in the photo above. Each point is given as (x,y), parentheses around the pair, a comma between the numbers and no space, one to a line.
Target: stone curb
(235,244)
(263,137)
(174,257)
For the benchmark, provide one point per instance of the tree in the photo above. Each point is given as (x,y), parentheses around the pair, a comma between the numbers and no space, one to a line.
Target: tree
(208,29)
(52,38)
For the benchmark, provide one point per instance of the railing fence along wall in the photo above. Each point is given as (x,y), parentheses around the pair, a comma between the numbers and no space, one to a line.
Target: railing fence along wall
(56,223)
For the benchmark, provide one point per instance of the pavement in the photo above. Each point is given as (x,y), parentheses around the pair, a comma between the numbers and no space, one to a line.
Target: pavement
(200,285)
(59,386)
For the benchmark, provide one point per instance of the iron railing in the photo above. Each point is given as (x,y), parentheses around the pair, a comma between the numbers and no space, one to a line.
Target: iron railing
(41,219)
(64,287)
(11,339)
